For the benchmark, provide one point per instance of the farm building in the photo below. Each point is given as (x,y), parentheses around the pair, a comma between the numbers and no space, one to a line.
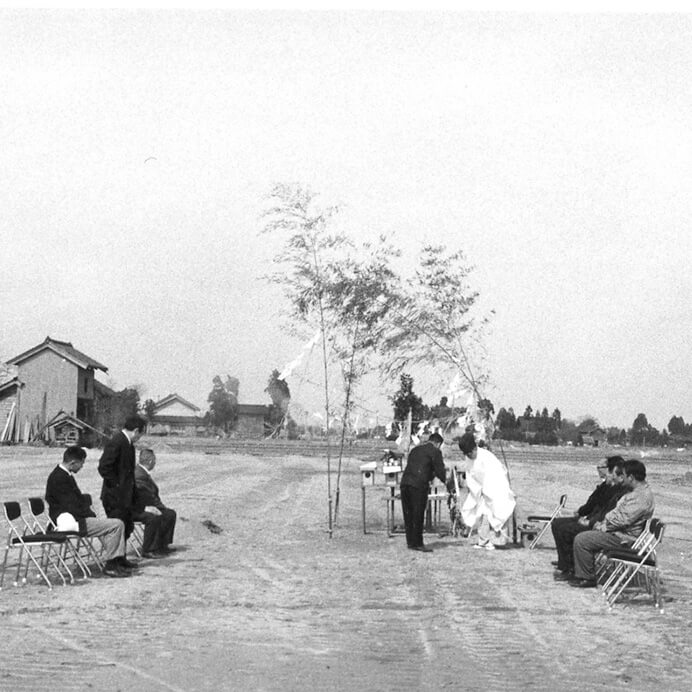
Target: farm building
(51,378)
(174,415)
(594,438)
(250,421)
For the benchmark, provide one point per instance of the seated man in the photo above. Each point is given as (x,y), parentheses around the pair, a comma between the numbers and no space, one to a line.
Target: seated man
(64,497)
(158,520)
(602,500)
(619,528)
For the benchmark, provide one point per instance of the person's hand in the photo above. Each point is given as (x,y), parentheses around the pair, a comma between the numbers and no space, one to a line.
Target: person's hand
(583,521)
(152,510)
(599,526)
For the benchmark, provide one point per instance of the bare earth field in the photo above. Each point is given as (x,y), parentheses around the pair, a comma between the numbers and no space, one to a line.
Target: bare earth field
(272,603)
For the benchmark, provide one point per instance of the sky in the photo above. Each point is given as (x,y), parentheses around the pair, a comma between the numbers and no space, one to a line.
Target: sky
(554,149)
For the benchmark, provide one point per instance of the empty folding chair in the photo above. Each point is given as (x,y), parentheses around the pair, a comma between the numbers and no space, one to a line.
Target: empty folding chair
(546,520)
(75,545)
(136,540)
(24,542)
(636,568)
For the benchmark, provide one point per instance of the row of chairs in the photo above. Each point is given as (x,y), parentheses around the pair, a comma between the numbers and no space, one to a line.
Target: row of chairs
(635,567)
(32,539)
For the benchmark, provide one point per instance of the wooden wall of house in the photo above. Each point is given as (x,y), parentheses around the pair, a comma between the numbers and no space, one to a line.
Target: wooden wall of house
(85,383)
(250,426)
(47,376)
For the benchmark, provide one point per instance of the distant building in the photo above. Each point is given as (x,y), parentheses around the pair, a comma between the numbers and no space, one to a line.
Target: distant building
(251,419)
(52,377)
(594,438)
(174,415)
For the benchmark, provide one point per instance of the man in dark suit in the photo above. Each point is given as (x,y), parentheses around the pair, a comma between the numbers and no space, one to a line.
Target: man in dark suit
(117,468)
(158,520)
(65,500)
(423,465)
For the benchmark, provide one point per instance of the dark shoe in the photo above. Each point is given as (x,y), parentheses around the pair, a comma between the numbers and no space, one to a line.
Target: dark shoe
(555,563)
(115,571)
(564,576)
(153,555)
(422,548)
(584,583)
(123,562)
(167,549)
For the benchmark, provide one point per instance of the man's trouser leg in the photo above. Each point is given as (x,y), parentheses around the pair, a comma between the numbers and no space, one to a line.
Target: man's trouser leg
(419,503)
(168,518)
(112,535)
(564,534)
(586,545)
(151,540)
(406,511)
(122,513)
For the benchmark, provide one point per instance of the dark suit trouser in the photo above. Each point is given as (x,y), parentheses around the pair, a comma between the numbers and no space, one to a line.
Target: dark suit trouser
(565,530)
(122,513)
(414,502)
(158,529)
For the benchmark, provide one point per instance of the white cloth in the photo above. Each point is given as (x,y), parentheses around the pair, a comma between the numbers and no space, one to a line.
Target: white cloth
(489,492)
(66,522)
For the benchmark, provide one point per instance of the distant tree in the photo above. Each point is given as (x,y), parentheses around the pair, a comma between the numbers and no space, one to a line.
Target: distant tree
(223,407)
(642,433)
(528,413)
(557,417)
(406,400)
(676,425)
(277,411)
(486,407)
(149,409)
(588,423)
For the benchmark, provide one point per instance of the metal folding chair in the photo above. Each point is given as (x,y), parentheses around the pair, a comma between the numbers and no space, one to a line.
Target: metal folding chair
(546,520)
(24,541)
(636,567)
(136,539)
(78,547)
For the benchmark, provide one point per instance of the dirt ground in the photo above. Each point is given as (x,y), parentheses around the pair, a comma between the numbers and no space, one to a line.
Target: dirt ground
(273,603)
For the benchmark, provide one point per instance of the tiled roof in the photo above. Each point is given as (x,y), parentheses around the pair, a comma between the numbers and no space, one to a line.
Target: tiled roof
(174,397)
(62,348)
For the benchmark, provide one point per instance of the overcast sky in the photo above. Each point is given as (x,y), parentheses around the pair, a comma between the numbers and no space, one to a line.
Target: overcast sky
(555,150)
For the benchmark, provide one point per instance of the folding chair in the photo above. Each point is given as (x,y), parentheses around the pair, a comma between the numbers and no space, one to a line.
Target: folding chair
(136,540)
(640,563)
(75,543)
(21,539)
(546,520)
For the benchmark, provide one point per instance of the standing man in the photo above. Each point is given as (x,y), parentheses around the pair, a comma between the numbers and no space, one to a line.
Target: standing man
(65,498)
(621,525)
(158,520)
(117,468)
(490,502)
(424,464)
(602,500)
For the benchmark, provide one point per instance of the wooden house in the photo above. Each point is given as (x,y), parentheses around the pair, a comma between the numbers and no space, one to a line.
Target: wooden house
(55,377)
(174,415)
(594,438)
(251,419)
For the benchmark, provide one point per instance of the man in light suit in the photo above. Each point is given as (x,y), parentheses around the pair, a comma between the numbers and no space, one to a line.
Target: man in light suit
(158,520)
(117,468)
